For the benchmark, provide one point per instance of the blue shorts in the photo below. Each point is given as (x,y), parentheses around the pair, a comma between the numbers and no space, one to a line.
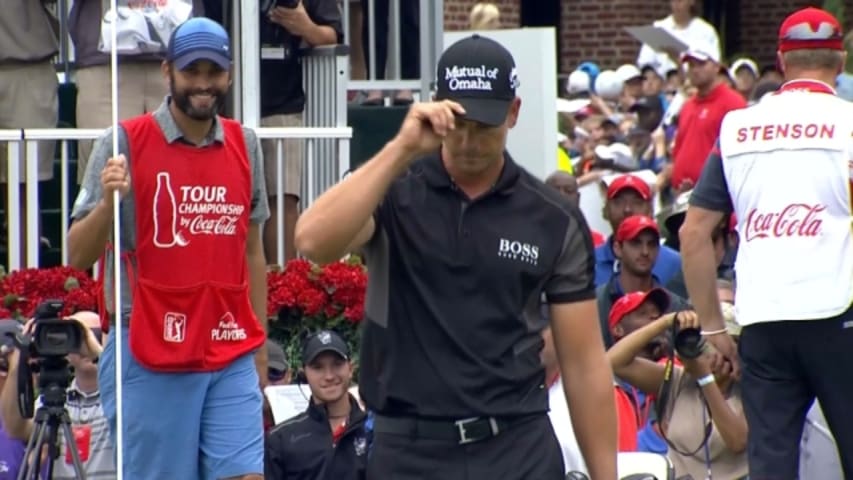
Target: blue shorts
(204,425)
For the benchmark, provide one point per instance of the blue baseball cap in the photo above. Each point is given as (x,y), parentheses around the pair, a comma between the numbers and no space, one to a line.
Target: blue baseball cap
(199,38)
(592,69)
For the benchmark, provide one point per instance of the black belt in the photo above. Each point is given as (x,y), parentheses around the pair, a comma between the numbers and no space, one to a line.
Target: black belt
(468,430)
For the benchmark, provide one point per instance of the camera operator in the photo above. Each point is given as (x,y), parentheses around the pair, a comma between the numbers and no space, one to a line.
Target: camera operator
(11,449)
(703,417)
(299,448)
(83,404)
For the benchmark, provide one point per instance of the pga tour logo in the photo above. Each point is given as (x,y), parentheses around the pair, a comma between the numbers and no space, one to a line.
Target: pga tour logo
(516,250)
(175,327)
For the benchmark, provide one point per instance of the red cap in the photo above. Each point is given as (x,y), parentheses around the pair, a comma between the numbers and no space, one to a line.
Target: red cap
(629,181)
(633,226)
(810,28)
(632,301)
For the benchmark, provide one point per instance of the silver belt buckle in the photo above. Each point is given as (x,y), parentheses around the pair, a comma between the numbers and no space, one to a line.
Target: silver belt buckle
(463,431)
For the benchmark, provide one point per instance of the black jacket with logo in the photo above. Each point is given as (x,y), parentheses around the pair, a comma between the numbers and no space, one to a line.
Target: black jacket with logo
(301,448)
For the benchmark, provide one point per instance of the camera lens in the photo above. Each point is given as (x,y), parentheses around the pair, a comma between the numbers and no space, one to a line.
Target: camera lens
(689,343)
(56,339)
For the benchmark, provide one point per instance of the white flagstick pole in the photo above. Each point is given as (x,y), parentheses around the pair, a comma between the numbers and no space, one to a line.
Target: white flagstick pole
(117,250)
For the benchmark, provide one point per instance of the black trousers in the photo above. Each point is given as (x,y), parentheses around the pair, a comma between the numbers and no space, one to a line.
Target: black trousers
(410,40)
(786,365)
(527,451)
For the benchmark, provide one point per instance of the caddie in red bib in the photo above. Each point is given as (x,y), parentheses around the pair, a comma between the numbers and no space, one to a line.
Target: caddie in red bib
(191,309)
(193,273)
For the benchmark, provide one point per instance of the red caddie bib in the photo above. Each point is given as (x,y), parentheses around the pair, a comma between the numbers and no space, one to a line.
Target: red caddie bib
(191,309)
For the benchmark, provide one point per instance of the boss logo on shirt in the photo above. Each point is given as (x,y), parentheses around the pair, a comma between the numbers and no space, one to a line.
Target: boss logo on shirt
(516,250)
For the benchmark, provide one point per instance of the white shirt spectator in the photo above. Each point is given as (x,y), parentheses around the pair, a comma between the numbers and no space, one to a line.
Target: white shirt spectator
(697,32)
(562,423)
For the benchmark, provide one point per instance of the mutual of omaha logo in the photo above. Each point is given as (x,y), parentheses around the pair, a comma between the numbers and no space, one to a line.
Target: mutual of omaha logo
(470,78)
(514,82)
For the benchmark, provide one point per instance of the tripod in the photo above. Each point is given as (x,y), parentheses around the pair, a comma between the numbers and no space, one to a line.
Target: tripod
(49,418)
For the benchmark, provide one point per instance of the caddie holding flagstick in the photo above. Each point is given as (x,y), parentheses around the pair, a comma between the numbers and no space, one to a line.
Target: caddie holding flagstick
(193,273)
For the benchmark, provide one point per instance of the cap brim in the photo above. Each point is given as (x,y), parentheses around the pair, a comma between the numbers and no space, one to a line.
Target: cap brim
(696,56)
(310,358)
(644,229)
(219,59)
(659,297)
(489,111)
(602,152)
(276,365)
(622,188)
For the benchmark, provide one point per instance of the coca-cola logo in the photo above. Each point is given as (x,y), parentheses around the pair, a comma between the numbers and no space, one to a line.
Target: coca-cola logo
(795,220)
(224,225)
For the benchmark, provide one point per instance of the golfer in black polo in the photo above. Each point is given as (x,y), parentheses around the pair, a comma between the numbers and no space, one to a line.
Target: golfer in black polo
(460,243)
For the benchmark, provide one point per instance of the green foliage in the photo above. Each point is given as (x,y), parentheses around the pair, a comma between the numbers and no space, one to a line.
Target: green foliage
(291,329)
(837,9)
(304,298)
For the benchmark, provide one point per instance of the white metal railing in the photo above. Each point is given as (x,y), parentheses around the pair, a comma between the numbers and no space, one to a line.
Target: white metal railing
(431,35)
(322,172)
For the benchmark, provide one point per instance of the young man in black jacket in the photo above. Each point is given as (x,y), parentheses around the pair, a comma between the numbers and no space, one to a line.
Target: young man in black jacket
(328,440)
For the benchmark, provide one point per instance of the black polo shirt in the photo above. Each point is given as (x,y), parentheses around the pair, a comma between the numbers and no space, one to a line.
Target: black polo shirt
(453,322)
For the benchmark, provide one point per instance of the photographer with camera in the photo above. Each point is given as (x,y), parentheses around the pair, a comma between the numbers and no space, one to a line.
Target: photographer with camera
(698,404)
(82,402)
(11,449)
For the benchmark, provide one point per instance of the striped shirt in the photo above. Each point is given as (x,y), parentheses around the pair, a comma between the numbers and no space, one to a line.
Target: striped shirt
(93,438)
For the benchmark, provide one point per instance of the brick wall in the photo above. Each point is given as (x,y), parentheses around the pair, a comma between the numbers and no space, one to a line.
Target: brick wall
(456,13)
(593,29)
(760,20)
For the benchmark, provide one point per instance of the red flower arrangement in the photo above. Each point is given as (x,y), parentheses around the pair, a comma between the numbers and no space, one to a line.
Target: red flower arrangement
(304,298)
(301,299)
(23,290)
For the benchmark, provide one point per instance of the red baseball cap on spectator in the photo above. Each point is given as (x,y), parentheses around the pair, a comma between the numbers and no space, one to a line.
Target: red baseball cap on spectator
(632,301)
(810,28)
(632,182)
(635,225)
